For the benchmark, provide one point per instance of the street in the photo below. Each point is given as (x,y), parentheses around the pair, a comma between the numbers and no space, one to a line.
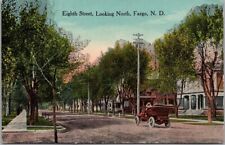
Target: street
(102,129)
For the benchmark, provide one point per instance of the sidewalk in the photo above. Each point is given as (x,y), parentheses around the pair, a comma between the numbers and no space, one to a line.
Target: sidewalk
(197,120)
(19,123)
(127,116)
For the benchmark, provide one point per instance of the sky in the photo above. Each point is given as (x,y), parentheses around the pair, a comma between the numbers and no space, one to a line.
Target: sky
(103,31)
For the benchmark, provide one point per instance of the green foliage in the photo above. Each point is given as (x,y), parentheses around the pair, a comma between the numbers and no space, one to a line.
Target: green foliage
(42,49)
(175,51)
(119,66)
(7,119)
(19,95)
(43,122)
(175,56)
(115,69)
(33,50)
(9,27)
(9,35)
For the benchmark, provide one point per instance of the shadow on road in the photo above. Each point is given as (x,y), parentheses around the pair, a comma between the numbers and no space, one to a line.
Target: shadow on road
(86,122)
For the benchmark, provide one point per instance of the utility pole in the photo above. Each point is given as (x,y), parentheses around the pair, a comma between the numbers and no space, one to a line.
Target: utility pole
(138,42)
(89,107)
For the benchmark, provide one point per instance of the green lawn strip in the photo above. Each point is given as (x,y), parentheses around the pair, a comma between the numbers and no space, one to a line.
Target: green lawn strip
(180,120)
(199,117)
(202,123)
(43,127)
(42,124)
(117,115)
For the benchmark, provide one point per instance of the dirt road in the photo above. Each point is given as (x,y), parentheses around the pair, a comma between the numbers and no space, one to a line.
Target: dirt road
(98,129)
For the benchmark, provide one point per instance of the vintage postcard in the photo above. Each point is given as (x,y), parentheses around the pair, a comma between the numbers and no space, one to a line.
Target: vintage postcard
(112,72)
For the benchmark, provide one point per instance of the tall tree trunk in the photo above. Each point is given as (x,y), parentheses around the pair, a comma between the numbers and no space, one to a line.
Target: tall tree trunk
(123,112)
(10,101)
(28,108)
(77,106)
(32,111)
(213,95)
(213,109)
(209,111)
(106,105)
(36,110)
(92,106)
(54,104)
(181,94)
(96,105)
(74,105)
(106,108)
(32,106)
(64,106)
(175,105)
(82,105)
(113,107)
(85,106)
(100,105)
(54,115)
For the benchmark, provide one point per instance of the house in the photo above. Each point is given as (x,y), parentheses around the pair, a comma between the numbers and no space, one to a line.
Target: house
(193,99)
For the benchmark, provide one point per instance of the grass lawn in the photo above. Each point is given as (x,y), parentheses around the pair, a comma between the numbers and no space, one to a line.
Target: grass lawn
(39,128)
(177,120)
(202,123)
(43,128)
(42,124)
(200,117)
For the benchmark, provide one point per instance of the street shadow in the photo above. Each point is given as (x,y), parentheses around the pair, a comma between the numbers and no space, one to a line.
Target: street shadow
(87,122)
(156,126)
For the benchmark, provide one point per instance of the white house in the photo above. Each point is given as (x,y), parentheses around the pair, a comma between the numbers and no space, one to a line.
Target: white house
(193,99)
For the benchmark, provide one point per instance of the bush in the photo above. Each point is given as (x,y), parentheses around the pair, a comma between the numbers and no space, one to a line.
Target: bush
(7,119)
(41,122)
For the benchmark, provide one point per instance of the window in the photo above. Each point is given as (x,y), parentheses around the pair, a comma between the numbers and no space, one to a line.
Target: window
(186,102)
(117,105)
(200,101)
(126,104)
(193,102)
(219,102)
(171,101)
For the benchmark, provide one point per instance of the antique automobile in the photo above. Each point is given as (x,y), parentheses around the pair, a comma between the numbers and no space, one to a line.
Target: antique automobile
(157,114)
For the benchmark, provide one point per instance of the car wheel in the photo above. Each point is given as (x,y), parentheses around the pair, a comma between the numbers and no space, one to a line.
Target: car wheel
(151,122)
(137,120)
(167,124)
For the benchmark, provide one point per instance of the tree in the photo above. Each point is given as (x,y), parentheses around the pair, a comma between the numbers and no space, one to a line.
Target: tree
(32,28)
(9,45)
(117,68)
(53,62)
(175,55)
(114,76)
(19,96)
(206,30)
(195,44)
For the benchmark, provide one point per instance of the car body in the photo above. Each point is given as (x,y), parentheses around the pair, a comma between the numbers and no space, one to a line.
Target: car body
(157,114)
